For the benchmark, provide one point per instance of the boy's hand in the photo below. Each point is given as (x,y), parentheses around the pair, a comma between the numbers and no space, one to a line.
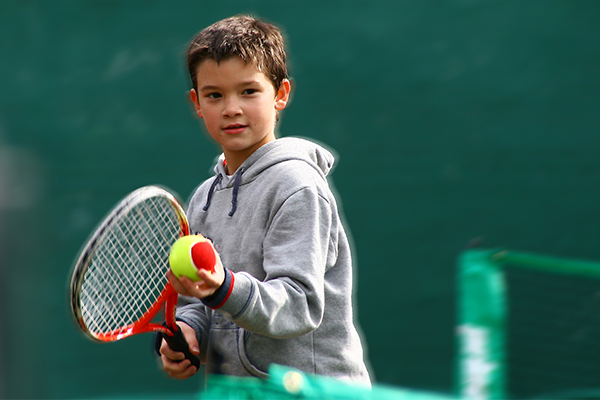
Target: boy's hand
(206,286)
(175,362)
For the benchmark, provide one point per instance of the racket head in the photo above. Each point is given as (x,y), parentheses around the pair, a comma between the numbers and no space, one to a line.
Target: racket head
(119,281)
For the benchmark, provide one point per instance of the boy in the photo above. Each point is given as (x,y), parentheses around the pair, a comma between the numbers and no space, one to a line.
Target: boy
(283,286)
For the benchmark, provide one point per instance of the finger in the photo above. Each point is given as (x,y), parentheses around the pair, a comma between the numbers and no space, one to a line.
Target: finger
(169,353)
(188,372)
(177,284)
(209,278)
(188,285)
(175,365)
(198,289)
(190,336)
(178,369)
(213,279)
(216,268)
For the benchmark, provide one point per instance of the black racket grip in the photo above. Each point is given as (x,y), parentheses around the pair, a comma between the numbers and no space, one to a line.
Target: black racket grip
(178,343)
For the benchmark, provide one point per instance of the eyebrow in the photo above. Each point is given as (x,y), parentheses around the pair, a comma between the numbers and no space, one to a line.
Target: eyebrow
(208,87)
(250,82)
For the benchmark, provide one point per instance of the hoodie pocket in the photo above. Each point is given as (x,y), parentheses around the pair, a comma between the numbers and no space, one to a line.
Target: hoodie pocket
(257,352)
(227,350)
(242,337)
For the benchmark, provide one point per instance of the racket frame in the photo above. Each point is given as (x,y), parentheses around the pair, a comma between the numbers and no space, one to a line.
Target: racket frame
(168,296)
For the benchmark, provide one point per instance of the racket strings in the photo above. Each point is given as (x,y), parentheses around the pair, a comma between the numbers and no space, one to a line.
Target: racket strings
(127,273)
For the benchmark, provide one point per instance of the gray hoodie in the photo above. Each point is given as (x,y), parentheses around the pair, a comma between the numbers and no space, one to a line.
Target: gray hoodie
(287,296)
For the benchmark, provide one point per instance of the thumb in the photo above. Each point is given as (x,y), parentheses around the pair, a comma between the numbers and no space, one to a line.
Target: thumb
(190,336)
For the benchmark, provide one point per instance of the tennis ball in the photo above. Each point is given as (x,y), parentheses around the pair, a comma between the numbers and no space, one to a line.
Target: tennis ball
(190,253)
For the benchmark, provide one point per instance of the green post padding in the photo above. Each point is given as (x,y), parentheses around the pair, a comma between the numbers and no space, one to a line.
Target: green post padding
(481,327)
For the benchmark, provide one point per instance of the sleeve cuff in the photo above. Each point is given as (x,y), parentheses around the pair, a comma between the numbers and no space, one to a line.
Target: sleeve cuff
(219,298)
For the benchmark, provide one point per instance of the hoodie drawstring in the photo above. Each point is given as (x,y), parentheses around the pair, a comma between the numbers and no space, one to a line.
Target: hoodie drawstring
(234,196)
(236,188)
(211,191)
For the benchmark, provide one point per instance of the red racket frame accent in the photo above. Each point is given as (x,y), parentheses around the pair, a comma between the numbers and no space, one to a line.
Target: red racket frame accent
(144,324)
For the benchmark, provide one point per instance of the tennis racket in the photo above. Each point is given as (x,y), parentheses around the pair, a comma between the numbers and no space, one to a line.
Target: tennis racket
(119,282)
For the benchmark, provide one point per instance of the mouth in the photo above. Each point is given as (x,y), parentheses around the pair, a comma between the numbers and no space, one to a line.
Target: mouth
(235,129)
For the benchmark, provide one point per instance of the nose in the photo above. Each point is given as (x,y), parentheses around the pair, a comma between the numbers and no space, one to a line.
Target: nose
(232,107)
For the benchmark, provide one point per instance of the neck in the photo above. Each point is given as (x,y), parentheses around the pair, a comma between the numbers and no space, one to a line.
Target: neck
(232,164)
(236,158)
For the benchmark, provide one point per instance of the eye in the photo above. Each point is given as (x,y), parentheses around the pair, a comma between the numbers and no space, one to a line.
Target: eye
(214,95)
(249,91)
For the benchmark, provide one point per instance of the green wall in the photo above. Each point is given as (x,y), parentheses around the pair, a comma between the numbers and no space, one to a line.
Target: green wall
(452,119)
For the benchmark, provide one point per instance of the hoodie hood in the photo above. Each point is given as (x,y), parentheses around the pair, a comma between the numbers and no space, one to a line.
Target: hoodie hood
(280,150)
(272,153)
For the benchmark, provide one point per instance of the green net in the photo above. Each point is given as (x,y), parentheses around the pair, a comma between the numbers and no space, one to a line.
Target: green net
(553,335)
(529,326)
(284,383)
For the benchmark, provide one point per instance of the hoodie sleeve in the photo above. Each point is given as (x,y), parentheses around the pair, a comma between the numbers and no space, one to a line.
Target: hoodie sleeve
(297,247)
(194,313)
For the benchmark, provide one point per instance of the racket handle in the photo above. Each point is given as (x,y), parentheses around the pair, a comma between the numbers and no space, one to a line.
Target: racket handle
(178,343)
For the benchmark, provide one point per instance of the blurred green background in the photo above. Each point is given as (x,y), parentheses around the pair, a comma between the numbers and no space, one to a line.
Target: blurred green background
(453,120)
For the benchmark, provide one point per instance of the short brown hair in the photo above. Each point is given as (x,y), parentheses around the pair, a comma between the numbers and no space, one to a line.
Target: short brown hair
(251,39)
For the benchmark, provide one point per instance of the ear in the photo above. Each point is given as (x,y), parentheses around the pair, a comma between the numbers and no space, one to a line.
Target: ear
(283,95)
(196,101)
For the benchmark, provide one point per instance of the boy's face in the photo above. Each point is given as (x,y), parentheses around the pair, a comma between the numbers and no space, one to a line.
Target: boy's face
(239,106)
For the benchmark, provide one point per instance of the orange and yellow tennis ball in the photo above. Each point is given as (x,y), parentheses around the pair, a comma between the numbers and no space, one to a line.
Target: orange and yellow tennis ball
(191,253)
